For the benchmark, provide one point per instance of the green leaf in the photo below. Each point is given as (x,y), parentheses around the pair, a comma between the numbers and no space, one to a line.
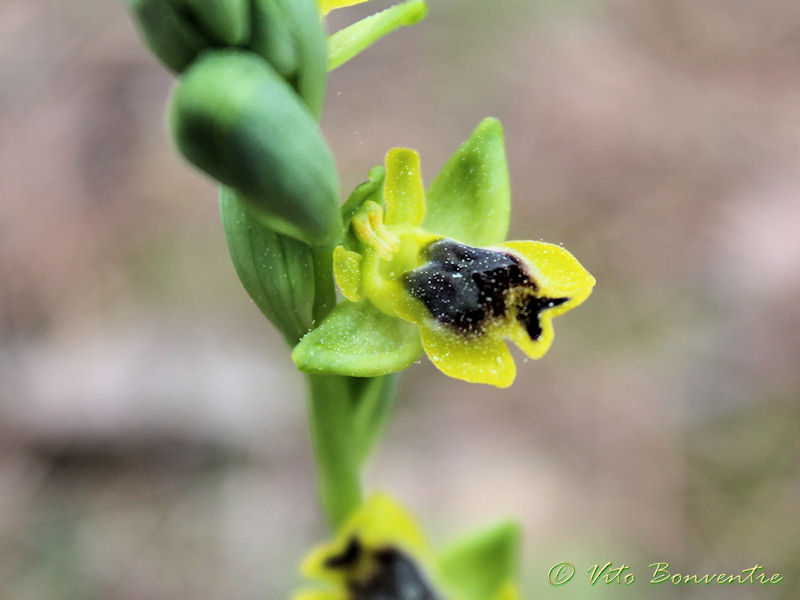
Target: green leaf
(348,42)
(470,198)
(476,567)
(357,339)
(235,118)
(277,271)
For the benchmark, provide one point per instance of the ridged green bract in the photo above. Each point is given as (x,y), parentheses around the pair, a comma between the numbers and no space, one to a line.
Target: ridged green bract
(277,271)
(235,118)
(286,33)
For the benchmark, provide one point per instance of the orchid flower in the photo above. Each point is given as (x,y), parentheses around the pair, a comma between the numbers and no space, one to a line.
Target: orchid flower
(430,271)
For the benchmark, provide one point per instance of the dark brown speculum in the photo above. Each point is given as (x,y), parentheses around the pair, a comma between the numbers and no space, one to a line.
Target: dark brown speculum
(392,574)
(465,288)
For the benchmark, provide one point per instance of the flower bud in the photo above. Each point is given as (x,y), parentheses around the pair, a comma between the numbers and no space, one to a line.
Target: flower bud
(178,30)
(286,33)
(235,118)
(289,35)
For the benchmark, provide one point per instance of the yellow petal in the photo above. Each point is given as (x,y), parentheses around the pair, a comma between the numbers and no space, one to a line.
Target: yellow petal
(326,6)
(476,359)
(403,192)
(347,272)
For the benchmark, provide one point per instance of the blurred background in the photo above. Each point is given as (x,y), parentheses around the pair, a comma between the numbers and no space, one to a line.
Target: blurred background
(153,441)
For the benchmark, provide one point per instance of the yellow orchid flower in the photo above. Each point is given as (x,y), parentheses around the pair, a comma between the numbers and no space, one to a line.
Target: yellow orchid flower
(381,552)
(402,259)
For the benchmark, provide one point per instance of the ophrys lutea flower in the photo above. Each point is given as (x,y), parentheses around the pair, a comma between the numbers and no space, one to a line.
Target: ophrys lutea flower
(381,553)
(431,271)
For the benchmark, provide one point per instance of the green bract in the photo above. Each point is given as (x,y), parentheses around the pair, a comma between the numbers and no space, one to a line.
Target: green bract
(236,119)
(435,262)
(277,271)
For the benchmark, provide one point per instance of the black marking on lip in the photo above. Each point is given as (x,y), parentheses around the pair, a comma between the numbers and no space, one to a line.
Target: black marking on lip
(348,557)
(529,311)
(396,577)
(464,287)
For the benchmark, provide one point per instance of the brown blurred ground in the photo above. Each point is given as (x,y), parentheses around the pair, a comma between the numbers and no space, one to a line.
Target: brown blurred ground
(152,427)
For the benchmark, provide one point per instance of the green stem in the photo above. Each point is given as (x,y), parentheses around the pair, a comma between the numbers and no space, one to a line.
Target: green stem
(346,414)
(335,447)
(375,400)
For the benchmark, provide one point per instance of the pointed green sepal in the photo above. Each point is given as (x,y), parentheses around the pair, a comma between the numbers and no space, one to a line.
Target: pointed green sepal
(470,198)
(235,118)
(357,339)
(478,566)
(277,271)
(348,42)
